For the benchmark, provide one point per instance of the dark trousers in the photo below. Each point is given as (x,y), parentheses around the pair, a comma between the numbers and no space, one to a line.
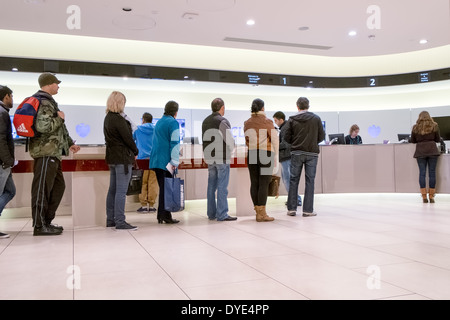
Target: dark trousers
(160,175)
(260,165)
(47,190)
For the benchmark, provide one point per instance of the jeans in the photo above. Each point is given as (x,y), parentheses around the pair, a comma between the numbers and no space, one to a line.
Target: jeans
(431,162)
(260,164)
(7,187)
(285,176)
(218,178)
(297,163)
(117,194)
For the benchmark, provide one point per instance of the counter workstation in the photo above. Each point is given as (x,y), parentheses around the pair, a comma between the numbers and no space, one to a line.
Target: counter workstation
(341,169)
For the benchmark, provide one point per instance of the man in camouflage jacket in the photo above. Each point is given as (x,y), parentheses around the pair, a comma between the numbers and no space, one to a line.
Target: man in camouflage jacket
(51,142)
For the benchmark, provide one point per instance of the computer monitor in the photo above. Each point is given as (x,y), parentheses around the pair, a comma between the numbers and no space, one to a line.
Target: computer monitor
(444,126)
(404,137)
(191,140)
(336,138)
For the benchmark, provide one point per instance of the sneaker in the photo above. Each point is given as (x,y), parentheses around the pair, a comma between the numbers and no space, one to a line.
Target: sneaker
(292,213)
(55,226)
(126,226)
(110,224)
(46,231)
(309,214)
(4,235)
(151,209)
(142,209)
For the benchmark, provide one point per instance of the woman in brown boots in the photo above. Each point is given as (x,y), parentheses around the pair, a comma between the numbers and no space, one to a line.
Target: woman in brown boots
(425,133)
(262,141)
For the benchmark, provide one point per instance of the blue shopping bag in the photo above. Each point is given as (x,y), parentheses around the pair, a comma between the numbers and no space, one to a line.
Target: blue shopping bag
(173,194)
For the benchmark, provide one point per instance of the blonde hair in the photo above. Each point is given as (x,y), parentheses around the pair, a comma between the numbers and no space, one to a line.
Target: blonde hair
(116,102)
(425,124)
(353,128)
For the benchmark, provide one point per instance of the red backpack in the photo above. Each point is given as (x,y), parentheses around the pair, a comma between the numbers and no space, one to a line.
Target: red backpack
(25,117)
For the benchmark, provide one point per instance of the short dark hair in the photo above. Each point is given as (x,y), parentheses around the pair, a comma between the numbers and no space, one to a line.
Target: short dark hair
(147,117)
(217,104)
(303,103)
(257,105)
(4,91)
(171,108)
(279,115)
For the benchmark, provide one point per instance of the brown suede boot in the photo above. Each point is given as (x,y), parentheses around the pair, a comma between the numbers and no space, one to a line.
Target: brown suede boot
(261,215)
(423,191)
(431,193)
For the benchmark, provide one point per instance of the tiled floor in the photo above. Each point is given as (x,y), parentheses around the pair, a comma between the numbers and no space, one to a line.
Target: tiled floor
(356,240)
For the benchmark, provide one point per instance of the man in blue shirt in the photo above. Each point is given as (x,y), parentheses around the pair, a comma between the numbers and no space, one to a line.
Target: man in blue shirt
(144,141)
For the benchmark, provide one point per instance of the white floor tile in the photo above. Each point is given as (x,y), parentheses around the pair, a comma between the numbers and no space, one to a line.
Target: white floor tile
(323,257)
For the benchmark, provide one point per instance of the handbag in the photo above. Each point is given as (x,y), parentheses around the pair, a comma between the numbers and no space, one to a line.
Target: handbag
(135,184)
(173,194)
(274,186)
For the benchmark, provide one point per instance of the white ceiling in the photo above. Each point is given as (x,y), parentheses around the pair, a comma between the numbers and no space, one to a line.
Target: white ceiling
(403,23)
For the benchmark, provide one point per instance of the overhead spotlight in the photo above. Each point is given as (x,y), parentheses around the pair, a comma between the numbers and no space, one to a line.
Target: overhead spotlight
(186,77)
(423,41)
(352,33)
(14,69)
(125,78)
(251,22)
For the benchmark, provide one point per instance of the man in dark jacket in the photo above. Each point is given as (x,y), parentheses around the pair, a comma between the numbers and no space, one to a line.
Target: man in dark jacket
(51,142)
(304,132)
(285,151)
(218,144)
(7,187)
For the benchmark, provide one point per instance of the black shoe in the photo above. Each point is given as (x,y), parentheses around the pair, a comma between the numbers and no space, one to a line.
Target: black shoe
(229,219)
(55,226)
(46,231)
(4,235)
(151,209)
(126,226)
(168,221)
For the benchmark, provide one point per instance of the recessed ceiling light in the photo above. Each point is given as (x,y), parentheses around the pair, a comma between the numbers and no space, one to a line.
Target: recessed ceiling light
(352,33)
(127,9)
(250,22)
(14,69)
(125,78)
(186,77)
(423,41)
(305,28)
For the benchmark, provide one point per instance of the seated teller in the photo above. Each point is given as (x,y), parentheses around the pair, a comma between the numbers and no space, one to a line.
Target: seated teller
(353,137)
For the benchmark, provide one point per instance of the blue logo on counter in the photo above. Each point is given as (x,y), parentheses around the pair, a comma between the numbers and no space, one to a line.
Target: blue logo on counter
(83,130)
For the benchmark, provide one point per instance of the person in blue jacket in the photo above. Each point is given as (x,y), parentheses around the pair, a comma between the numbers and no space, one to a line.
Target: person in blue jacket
(165,154)
(143,136)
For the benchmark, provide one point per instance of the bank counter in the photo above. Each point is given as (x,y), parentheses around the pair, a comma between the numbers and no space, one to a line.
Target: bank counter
(341,169)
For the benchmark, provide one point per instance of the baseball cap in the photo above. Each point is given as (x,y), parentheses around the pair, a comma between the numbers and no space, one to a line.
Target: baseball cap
(47,78)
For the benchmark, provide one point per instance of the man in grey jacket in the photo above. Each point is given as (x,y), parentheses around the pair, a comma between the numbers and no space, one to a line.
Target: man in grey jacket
(7,187)
(304,132)
(218,144)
